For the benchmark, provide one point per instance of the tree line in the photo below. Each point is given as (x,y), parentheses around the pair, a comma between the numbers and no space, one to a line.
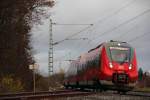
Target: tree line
(16,52)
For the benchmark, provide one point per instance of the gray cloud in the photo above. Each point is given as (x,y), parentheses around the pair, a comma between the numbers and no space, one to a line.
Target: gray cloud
(93,11)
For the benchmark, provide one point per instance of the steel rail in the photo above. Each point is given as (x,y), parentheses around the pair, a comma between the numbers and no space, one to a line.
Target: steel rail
(38,95)
(138,93)
(65,93)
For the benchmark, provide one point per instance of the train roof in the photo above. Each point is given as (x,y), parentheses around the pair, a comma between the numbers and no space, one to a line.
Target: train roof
(111,43)
(95,48)
(117,43)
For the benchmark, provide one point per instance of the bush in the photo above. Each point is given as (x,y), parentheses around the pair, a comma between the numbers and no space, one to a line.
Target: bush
(10,84)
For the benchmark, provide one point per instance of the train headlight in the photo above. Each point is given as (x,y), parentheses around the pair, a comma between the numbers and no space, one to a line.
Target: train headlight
(110,65)
(130,66)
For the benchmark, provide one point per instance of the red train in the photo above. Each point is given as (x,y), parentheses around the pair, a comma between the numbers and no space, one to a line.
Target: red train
(111,65)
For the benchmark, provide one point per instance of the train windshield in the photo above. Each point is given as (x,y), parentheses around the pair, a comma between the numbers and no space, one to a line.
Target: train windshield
(120,54)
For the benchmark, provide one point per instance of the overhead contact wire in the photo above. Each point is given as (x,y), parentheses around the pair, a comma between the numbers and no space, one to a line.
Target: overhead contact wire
(124,23)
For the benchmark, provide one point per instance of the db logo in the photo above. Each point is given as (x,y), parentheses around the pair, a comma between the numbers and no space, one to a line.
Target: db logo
(121,67)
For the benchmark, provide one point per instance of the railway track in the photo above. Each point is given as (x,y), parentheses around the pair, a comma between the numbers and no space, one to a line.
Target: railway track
(42,95)
(111,95)
(141,94)
(73,93)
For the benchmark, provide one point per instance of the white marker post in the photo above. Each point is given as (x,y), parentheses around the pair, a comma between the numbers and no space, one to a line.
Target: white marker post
(33,67)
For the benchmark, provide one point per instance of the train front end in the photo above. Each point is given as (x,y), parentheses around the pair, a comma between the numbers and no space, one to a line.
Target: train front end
(119,66)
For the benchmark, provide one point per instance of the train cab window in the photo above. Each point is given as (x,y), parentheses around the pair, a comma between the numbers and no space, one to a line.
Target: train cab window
(120,54)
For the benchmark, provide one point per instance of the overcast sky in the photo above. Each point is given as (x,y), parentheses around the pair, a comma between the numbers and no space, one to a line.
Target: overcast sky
(124,20)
